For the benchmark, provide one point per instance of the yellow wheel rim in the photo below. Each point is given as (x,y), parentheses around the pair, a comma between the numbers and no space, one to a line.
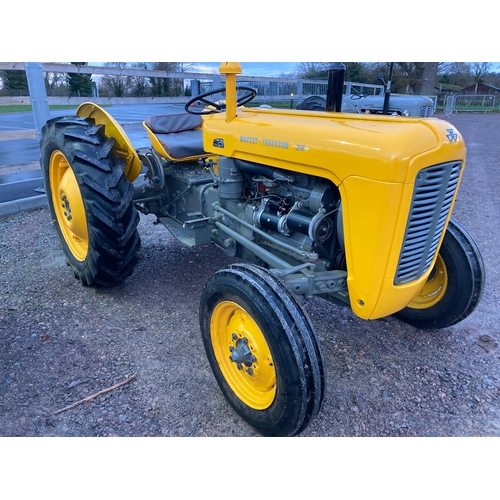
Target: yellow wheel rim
(68,205)
(243,355)
(434,288)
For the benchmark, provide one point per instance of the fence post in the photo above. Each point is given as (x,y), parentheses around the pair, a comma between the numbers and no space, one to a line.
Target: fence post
(38,95)
(195,88)
(300,91)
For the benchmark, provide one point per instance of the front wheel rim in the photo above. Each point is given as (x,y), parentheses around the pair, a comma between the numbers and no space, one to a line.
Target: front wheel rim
(68,205)
(243,355)
(433,289)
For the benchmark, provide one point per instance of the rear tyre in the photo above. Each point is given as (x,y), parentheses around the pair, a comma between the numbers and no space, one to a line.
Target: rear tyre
(455,284)
(262,349)
(90,200)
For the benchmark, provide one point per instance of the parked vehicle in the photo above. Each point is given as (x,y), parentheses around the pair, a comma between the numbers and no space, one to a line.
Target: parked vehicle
(402,105)
(355,209)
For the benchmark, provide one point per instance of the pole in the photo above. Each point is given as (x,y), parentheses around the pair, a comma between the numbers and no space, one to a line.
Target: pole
(38,95)
(387,92)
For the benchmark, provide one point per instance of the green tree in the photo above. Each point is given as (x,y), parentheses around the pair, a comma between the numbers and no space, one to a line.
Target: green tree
(354,71)
(168,87)
(140,86)
(79,84)
(459,73)
(15,80)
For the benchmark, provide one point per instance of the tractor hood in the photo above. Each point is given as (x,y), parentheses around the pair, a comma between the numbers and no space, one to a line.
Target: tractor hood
(335,145)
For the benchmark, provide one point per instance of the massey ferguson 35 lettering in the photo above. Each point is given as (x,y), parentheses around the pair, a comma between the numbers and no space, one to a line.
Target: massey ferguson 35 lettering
(353,208)
(274,143)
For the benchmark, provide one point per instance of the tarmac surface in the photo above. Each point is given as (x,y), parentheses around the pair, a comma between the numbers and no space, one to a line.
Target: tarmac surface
(21,181)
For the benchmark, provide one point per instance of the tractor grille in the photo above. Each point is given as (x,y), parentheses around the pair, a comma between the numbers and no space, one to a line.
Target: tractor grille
(432,197)
(426,111)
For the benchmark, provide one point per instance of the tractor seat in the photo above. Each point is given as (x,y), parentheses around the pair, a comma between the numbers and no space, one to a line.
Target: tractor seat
(178,136)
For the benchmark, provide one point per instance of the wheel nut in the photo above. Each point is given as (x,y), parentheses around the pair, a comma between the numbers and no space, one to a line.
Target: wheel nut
(250,371)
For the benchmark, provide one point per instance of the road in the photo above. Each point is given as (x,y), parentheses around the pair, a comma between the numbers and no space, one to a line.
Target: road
(19,145)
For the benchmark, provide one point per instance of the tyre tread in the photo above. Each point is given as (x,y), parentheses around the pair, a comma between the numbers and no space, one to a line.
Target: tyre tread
(107,195)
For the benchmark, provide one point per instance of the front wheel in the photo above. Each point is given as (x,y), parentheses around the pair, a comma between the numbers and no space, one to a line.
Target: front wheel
(454,286)
(262,349)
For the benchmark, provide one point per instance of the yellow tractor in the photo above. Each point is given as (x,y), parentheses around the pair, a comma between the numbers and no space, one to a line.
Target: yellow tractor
(352,208)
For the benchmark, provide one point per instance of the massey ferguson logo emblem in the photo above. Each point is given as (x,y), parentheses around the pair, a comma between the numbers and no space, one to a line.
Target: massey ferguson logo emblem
(452,137)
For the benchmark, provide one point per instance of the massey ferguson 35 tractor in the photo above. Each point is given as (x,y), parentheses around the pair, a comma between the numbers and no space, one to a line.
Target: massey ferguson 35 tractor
(352,208)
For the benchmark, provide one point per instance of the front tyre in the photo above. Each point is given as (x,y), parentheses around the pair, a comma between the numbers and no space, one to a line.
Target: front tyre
(90,200)
(262,349)
(454,286)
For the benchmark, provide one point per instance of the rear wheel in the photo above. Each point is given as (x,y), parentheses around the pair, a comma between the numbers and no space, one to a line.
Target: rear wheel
(262,349)
(90,200)
(454,286)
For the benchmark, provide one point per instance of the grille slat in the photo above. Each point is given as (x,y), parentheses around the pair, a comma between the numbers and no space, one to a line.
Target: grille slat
(433,194)
(426,110)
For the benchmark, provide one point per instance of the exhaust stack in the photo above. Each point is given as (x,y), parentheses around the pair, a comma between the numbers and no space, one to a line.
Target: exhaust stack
(335,89)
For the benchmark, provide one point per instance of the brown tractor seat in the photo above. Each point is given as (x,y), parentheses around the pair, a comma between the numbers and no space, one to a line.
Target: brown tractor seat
(178,136)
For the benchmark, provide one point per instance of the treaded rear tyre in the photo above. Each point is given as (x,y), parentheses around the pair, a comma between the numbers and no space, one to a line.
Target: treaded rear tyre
(90,200)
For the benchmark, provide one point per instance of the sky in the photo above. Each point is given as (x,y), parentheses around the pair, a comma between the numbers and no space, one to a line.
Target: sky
(265,69)
(250,68)
(260,31)
(268,68)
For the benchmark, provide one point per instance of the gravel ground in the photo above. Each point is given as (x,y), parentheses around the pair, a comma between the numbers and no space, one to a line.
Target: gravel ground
(61,342)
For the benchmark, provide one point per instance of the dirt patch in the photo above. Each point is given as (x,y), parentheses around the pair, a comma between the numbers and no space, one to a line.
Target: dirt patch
(61,342)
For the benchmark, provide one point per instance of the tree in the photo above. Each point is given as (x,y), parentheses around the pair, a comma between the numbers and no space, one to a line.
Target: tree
(168,87)
(140,86)
(409,74)
(313,70)
(457,73)
(480,70)
(79,84)
(115,85)
(429,76)
(354,71)
(54,82)
(15,80)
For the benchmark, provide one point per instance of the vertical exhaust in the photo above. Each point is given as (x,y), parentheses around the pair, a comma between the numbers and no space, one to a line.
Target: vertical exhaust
(335,89)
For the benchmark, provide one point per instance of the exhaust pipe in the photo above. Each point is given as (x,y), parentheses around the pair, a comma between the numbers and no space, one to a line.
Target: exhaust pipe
(335,89)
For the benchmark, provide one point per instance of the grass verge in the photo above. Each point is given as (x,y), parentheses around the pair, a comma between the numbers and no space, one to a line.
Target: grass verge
(21,108)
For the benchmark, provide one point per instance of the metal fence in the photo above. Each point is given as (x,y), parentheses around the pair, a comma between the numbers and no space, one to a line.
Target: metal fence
(469,103)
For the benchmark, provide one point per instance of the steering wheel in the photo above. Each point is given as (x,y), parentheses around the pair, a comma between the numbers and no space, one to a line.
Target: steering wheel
(356,94)
(219,106)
